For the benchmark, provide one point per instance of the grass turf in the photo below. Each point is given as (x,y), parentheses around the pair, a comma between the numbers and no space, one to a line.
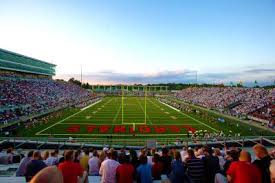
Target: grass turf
(133,117)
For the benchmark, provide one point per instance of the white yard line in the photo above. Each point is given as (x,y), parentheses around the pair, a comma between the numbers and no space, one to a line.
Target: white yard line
(39,133)
(90,105)
(189,116)
(117,113)
(99,124)
(108,134)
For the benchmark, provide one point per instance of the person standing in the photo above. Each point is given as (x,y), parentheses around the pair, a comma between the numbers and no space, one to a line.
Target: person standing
(144,171)
(243,171)
(34,166)
(108,168)
(125,171)
(262,162)
(177,169)
(211,164)
(71,171)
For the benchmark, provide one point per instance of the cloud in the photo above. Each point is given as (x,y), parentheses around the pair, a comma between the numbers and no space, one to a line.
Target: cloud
(261,70)
(109,77)
(264,76)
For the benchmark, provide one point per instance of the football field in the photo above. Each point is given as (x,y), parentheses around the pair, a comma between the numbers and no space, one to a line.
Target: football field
(126,116)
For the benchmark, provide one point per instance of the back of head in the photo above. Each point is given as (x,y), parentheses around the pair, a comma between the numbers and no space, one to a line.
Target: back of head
(156,158)
(260,150)
(30,154)
(69,155)
(217,152)
(164,151)
(177,155)
(48,175)
(86,151)
(113,154)
(53,153)
(122,158)
(245,156)
(190,153)
(143,159)
(37,155)
(207,150)
(95,154)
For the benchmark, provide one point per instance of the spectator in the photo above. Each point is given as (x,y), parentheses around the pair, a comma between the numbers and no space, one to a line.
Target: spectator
(125,171)
(91,152)
(133,158)
(166,160)
(10,155)
(243,171)
(84,160)
(144,171)
(262,162)
(46,154)
(211,164)
(230,157)
(156,167)
(195,167)
(217,153)
(77,156)
(177,169)
(21,170)
(184,153)
(94,164)
(71,171)
(108,168)
(52,160)
(34,166)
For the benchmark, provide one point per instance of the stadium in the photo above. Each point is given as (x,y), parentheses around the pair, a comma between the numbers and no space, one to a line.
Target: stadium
(58,124)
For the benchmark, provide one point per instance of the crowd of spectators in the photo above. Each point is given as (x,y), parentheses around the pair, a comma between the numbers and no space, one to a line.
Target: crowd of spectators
(266,113)
(26,97)
(238,101)
(200,164)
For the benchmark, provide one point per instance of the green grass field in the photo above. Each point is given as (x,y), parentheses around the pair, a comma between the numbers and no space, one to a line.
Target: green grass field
(134,117)
(126,117)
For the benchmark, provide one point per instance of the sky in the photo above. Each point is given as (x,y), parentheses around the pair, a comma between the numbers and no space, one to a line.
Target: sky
(145,41)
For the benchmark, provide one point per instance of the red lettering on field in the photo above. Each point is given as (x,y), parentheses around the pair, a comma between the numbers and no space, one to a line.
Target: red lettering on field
(174,129)
(131,130)
(144,129)
(73,128)
(91,128)
(160,129)
(189,128)
(119,129)
(104,128)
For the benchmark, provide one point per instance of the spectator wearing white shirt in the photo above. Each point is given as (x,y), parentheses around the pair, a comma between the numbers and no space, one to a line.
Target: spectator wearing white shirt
(94,164)
(108,168)
(52,160)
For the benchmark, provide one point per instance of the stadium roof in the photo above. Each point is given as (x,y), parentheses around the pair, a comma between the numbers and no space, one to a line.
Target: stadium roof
(27,57)
(16,62)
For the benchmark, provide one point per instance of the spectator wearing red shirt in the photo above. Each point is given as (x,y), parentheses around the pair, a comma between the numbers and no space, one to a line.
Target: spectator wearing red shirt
(70,170)
(243,171)
(156,167)
(125,171)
